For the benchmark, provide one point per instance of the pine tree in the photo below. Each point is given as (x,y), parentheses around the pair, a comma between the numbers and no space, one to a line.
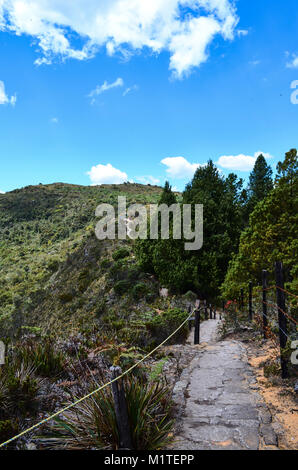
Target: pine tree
(260,181)
(167,197)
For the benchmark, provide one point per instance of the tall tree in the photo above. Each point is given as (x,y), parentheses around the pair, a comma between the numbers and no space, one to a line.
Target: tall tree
(271,234)
(167,196)
(260,183)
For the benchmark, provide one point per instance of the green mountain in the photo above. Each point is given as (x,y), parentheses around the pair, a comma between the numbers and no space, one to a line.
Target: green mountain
(54,273)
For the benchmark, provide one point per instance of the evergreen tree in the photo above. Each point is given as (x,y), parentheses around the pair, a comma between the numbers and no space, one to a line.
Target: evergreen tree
(260,183)
(167,197)
(271,235)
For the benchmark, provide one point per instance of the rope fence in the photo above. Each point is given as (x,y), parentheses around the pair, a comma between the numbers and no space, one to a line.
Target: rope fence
(102,387)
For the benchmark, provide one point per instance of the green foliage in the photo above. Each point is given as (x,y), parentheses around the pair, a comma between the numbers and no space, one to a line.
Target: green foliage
(43,355)
(18,389)
(92,425)
(167,197)
(271,236)
(139,290)
(8,429)
(161,325)
(260,183)
(202,270)
(121,287)
(120,253)
(50,258)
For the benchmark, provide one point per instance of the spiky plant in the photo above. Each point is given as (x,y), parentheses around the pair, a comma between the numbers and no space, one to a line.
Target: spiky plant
(92,423)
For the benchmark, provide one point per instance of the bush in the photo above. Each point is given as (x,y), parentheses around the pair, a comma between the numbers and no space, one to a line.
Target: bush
(162,325)
(139,290)
(121,287)
(120,253)
(105,264)
(47,361)
(8,429)
(18,389)
(92,424)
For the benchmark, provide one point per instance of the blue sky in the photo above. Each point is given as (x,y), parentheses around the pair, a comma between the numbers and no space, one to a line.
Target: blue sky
(87,95)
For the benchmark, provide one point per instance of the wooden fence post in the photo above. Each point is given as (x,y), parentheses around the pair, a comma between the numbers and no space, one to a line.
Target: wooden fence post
(189,321)
(2,353)
(282,321)
(125,440)
(197,325)
(264,285)
(242,300)
(250,300)
(210,307)
(206,310)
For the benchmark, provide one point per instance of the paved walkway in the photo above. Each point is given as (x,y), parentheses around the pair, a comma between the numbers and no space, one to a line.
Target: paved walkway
(217,395)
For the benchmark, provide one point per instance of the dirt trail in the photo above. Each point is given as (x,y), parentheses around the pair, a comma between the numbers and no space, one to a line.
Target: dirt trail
(216,394)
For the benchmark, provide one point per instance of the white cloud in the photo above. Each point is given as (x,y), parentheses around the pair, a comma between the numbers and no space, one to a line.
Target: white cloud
(4,99)
(240,162)
(130,89)
(106,86)
(148,179)
(107,174)
(54,120)
(179,167)
(122,26)
(2,192)
(293,64)
(242,32)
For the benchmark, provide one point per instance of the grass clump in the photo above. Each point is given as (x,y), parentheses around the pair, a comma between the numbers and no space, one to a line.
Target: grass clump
(92,424)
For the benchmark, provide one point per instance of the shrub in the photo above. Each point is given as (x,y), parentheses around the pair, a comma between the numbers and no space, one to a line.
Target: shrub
(105,264)
(92,424)
(162,325)
(121,287)
(8,429)
(47,361)
(139,290)
(18,389)
(120,253)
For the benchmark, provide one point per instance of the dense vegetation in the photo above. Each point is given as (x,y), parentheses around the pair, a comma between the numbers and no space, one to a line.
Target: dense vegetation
(70,303)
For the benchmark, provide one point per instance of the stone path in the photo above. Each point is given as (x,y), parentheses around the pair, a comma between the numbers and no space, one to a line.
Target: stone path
(220,407)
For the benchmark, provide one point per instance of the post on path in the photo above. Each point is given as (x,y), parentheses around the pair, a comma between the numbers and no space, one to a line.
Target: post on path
(264,285)
(2,353)
(189,321)
(214,311)
(197,324)
(210,307)
(250,300)
(242,300)
(282,321)
(206,309)
(223,309)
(125,439)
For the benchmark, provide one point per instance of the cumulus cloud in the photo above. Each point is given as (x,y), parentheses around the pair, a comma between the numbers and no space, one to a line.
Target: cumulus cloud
(106,174)
(148,179)
(185,28)
(240,162)
(179,167)
(4,99)
(293,63)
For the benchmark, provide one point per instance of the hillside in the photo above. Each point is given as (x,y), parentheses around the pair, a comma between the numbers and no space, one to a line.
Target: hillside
(54,273)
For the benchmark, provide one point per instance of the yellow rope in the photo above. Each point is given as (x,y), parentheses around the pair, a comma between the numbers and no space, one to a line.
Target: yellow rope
(94,391)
